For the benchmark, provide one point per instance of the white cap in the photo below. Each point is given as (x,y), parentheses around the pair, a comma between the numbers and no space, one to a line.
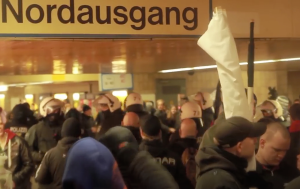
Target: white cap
(204,98)
(133,98)
(190,110)
(49,102)
(279,111)
(109,99)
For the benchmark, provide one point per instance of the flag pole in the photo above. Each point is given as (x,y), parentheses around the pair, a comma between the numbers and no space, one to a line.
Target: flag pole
(250,70)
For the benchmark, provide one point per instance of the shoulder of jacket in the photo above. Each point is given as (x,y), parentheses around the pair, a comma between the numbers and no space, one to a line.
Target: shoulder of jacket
(216,178)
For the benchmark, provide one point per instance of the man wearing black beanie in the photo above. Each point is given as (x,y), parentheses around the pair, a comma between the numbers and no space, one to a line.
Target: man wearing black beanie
(51,170)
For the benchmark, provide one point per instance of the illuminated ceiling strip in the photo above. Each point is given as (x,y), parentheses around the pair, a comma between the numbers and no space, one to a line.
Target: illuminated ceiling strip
(215,66)
(24,84)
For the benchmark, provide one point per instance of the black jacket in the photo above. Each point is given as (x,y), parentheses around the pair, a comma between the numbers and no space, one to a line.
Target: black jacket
(41,138)
(181,144)
(87,124)
(279,176)
(21,161)
(169,160)
(51,170)
(220,169)
(111,120)
(150,174)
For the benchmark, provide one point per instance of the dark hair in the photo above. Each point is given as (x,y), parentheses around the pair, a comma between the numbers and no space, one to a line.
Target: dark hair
(296,100)
(295,111)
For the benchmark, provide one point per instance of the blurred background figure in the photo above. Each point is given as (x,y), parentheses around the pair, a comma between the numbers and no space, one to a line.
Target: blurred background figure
(172,117)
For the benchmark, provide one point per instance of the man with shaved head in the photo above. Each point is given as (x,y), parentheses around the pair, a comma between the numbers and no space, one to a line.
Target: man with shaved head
(188,129)
(273,146)
(186,147)
(132,122)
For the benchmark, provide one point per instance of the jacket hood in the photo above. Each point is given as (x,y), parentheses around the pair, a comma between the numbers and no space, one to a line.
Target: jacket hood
(97,161)
(136,133)
(66,143)
(214,158)
(154,147)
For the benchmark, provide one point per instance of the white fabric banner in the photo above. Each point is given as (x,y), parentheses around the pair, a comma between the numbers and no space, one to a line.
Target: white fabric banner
(219,43)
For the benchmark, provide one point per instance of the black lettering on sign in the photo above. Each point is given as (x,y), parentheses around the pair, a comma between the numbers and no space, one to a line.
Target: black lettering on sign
(121,15)
(107,20)
(35,13)
(142,18)
(18,16)
(88,14)
(168,15)
(193,20)
(70,9)
(159,14)
(29,16)
(50,8)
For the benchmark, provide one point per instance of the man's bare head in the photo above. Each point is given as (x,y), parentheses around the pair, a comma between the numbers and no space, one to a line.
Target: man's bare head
(131,119)
(188,128)
(274,129)
(273,145)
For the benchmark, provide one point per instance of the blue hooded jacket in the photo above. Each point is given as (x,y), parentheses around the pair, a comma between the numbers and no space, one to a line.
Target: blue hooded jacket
(90,165)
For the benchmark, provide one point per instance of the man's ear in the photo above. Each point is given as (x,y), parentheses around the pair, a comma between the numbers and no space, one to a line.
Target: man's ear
(262,143)
(239,147)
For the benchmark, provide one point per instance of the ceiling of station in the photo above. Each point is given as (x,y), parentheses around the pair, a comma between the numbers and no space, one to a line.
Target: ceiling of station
(23,57)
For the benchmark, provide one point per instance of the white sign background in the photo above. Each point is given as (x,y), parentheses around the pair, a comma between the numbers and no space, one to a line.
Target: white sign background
(115,81)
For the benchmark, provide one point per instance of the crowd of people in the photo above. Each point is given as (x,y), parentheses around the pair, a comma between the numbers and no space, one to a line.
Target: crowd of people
(143,147)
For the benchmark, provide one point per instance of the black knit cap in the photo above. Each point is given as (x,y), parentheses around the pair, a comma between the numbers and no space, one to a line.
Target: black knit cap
(71,128)
(85,108)
(150,125)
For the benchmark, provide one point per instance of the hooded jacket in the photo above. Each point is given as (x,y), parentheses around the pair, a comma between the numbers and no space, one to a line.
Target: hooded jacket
(52,168)
(111,119)
(220,169)
(169,160)
(18,164)
(89,165)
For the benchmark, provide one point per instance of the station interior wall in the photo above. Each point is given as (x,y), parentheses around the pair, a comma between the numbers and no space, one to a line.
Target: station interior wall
(285,82)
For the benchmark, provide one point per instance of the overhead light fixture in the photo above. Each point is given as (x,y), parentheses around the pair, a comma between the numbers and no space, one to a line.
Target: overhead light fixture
(61,96)
(119,66)
(3,88)
(215,66)
(29,96)
(33,83)
(76,96)
(120,93)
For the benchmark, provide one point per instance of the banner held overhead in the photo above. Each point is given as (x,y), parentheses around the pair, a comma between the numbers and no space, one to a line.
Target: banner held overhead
(77,18)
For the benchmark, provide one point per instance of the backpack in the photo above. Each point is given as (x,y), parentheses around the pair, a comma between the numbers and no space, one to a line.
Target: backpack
(189,162)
